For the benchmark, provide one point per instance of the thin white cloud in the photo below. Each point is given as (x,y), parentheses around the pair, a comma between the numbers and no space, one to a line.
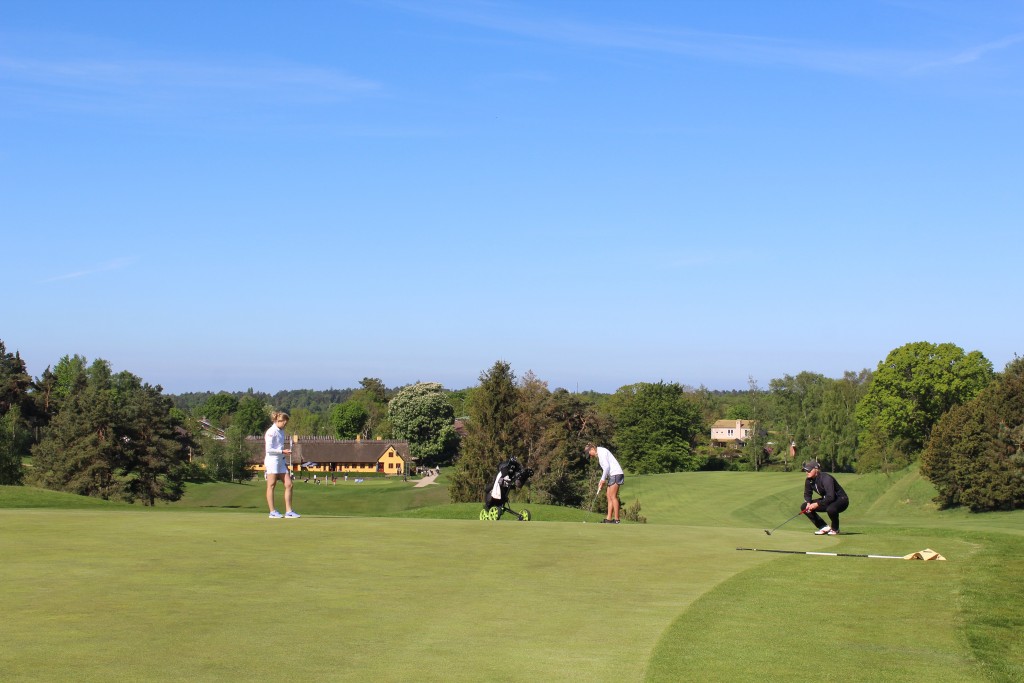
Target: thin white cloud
(141,80)
(722,47)
(974,54)
(116,264)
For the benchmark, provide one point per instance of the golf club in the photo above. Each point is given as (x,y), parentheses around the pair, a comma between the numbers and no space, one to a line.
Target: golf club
(807,552)
(784,523)
(590,512)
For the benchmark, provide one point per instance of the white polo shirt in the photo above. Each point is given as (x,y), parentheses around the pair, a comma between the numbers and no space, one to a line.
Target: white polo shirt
(609,465)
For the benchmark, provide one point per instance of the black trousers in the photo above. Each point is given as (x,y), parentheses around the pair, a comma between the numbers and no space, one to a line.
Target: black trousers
(838,505)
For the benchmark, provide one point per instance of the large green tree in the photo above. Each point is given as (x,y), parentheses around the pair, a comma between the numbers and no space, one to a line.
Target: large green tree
(348,419)
(252,417)
(493,434)
(372,395)
(421,414)
(219,408)
(910,390)
(657,427)
(114,438)
(838,424)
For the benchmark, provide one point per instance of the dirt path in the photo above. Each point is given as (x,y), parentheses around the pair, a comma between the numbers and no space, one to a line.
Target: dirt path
(426,481)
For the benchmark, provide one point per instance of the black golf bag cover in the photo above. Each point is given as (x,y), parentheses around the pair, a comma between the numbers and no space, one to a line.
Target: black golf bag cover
(510,473)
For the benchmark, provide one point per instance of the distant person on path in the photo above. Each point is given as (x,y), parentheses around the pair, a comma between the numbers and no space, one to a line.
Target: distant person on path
(833,498)
(276,467)
(611,471)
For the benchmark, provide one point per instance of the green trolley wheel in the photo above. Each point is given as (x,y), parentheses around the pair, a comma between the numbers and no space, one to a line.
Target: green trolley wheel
(493,514)
(483,515)
(525,515)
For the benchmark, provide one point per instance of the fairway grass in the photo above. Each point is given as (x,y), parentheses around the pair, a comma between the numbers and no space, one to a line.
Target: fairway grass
(128,595)
(389,582)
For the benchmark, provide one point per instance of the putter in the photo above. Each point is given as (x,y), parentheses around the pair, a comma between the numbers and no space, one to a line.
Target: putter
(769,532)
(590,512)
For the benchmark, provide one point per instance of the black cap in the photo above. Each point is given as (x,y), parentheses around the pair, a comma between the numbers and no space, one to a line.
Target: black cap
(811,465)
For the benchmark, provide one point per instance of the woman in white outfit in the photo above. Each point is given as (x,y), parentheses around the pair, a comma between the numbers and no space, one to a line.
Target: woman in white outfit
(611,471)
(277,467)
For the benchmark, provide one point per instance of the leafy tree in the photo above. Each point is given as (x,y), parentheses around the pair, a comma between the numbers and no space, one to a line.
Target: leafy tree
(460,400)
(252,416)
(421,414)
(218,408)
(373,397)
(817,413)
(838,424)
(657,427)
(228,459)
(912,388)
(348,419)
(493,434)
(304,422)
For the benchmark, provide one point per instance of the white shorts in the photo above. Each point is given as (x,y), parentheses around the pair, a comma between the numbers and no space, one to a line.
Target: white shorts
(275,464)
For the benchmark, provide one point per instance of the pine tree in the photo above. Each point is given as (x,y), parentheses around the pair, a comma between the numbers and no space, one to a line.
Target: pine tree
(493,434)
(113,438)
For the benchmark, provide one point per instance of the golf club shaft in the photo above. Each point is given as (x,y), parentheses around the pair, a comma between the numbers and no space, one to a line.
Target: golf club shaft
(787,521)
(810,552)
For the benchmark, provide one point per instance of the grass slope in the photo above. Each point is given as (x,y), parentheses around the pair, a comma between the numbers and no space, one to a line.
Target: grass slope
(431,594)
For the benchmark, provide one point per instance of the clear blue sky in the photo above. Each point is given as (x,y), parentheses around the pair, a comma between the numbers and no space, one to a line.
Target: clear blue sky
(282,195)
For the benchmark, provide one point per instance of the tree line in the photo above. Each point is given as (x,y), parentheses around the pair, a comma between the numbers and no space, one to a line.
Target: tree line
(92,431)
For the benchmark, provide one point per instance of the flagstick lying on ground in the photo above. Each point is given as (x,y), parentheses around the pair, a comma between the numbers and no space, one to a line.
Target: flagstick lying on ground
(926,554)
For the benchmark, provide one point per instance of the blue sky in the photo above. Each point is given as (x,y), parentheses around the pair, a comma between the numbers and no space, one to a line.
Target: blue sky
(225,195)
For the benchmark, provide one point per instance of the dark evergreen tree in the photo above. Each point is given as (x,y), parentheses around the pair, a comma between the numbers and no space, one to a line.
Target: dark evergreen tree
(975,456)
(113,438)
(79,449)
(564,475)
(493,434)
(15,401)
(154,447)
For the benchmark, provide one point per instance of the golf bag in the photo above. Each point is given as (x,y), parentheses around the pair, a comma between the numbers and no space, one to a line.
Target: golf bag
(510,475)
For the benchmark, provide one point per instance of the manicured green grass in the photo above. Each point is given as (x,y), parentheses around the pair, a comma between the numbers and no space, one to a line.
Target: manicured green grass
(376,496)
(383,581)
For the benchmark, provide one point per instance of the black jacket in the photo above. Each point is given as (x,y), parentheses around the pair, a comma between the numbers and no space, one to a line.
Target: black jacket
(826,486)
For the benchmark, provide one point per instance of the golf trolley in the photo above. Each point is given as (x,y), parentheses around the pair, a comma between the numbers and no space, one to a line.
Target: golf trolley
(510,475)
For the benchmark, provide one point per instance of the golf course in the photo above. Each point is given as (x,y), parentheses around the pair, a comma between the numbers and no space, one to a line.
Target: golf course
(385,581)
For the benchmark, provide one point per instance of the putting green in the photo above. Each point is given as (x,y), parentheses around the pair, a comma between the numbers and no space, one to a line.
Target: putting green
(131,595)
(112,592)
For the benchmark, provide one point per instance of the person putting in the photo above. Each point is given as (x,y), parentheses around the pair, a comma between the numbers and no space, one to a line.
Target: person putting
(276,467)
(611,472)
(833,498)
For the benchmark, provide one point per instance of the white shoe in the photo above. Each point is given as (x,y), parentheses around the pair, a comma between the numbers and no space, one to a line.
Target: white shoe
(274,514)
(833,532)
(824,530)
(292,515)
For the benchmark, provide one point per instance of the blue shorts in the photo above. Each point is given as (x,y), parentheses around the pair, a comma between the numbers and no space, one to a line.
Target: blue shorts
(614,479)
